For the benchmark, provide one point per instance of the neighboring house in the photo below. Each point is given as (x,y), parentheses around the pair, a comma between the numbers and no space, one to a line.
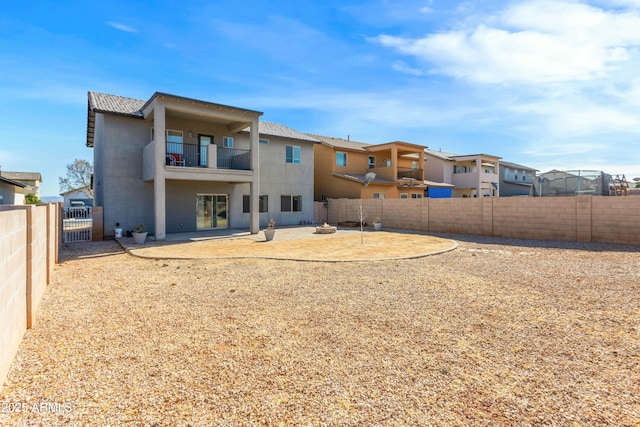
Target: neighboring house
(341,167)
(77,196)
(516,180)
(32,180)
(11,192)
(474,175)
(179,164)
(573,183)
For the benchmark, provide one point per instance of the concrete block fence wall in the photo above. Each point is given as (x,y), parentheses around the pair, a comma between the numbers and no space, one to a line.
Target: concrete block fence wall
(29,237)
(581,218)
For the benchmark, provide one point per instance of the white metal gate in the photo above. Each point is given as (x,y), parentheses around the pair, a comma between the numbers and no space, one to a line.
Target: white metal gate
(77,224)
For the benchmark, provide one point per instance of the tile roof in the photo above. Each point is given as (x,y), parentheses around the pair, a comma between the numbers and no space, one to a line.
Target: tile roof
(22,176)
(115,104)
(440,154)
(341,143)
(276,129)
(516,166)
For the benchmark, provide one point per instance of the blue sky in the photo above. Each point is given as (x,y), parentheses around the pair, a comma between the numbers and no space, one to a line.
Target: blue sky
(548,84)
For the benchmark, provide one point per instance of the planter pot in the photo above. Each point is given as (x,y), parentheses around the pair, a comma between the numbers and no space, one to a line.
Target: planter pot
(139,238)
(269,233)
(377,226)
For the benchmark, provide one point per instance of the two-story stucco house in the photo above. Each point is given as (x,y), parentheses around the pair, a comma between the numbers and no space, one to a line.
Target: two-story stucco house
(341,167)
(179,164)
(516,180)
(473,175)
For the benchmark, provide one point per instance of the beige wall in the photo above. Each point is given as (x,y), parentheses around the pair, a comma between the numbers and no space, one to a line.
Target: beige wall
(28,251)
(582,218)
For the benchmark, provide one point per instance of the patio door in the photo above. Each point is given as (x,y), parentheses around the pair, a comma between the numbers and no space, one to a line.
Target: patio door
(212,211)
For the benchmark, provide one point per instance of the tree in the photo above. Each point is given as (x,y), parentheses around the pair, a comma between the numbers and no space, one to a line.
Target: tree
(31,199)
(78,177)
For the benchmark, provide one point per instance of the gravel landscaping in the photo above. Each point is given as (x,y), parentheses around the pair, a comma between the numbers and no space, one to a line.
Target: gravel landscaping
(496,332)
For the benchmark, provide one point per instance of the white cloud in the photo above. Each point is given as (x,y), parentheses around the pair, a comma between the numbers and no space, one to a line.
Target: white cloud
(122,27)
(403,67)
(535,41)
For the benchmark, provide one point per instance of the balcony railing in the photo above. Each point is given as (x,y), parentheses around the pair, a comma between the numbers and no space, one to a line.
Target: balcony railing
(195,156)
(411,173)
(233,158)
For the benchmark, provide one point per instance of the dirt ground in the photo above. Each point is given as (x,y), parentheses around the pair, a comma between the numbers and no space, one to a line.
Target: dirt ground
(497,332)
(302,243)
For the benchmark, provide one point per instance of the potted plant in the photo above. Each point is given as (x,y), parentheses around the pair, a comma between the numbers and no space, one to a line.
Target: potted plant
(377,224)
(270,230)
(139,233)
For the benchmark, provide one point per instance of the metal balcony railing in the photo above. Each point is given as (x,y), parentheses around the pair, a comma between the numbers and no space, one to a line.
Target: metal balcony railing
(195,156)
(234,158)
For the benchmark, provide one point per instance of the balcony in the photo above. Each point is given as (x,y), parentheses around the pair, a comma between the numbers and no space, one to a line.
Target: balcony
(204,156)
(417,174)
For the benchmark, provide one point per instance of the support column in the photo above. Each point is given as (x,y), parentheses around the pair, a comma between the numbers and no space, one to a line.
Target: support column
(159,186)
(479,175)
(254,189)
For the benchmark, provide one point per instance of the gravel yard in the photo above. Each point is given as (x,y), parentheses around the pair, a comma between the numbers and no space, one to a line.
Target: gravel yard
(495,332)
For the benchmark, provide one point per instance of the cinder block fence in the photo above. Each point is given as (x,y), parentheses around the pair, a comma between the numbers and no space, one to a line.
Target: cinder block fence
(581,218)
(29,243)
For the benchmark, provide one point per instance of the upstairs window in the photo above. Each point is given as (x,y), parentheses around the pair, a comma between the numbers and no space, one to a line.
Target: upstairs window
(372,162)
(227,142)
(341,158)
(293,154)
(263,141)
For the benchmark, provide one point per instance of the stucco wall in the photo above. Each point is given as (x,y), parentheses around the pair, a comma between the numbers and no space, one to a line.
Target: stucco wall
(277,178)
(119,187)
(582,218)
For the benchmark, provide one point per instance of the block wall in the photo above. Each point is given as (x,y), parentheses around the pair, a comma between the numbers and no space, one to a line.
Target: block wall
(582,218)
(13,285)
(28,251)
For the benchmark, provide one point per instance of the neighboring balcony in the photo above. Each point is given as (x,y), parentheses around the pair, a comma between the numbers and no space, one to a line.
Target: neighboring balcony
(417,174)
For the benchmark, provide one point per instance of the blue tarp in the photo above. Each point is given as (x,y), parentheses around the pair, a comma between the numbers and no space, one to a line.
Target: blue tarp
(439,193)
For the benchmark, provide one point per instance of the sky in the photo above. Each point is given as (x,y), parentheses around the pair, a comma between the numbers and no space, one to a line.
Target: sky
(546,84)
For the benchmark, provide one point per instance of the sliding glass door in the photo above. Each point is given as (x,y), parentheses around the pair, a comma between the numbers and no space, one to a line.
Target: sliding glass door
(212,211)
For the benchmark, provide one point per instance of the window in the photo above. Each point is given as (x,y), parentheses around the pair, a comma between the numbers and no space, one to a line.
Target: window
(263,204)
(227,142)
(341,158)
(379,195)
(263,141)
(416,196)
(290,203)
(388,162)
(404,195)
(414,164)
(293,154)
(372,162)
